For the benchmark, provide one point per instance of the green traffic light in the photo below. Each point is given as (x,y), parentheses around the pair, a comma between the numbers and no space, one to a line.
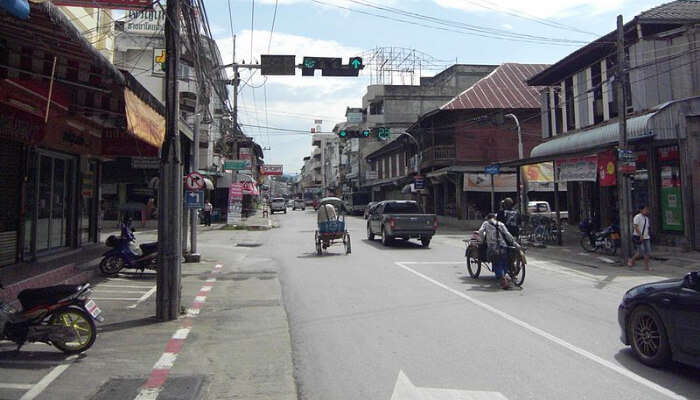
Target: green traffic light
(343,133)
(366,133)
(309,63)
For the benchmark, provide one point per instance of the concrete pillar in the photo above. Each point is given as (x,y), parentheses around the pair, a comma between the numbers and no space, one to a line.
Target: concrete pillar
(459,202)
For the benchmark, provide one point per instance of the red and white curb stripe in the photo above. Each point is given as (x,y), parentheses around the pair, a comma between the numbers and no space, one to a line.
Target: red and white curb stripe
(162,367)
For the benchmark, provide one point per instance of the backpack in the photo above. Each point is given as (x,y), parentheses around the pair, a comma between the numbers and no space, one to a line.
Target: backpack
(511,219)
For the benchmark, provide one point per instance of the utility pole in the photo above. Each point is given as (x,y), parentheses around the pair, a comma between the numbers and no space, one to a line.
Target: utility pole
(194,255)
(622,181)
(170,208)
(523,190)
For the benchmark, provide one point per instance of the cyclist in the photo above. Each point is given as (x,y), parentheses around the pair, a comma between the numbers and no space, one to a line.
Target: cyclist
(498,239)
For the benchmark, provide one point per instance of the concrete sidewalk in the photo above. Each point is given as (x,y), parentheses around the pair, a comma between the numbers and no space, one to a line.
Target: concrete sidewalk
(231,342)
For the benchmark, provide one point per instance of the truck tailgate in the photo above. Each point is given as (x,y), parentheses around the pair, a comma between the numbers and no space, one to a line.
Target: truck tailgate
(412,222)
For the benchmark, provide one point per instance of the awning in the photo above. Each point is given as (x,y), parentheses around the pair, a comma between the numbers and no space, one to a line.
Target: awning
(592,138)
(460,169)
(143,121)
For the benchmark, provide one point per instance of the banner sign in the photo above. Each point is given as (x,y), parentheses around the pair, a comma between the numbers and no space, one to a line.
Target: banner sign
(145,162)
(235,198)
(272,169)
(671,200)
(369,175)
(577,169)
(502,183)
(250,188)
(606,169)
(113,4)
(540,173)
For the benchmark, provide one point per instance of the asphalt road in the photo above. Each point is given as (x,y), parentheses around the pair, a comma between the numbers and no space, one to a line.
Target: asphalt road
(388,323)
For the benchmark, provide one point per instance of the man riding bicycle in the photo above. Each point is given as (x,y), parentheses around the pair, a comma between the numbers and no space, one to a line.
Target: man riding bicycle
(498,239)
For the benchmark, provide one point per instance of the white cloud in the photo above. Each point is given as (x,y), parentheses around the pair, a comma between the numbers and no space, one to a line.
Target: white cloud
(539,8)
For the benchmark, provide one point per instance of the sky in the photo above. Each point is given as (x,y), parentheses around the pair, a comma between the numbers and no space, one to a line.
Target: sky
(345,28)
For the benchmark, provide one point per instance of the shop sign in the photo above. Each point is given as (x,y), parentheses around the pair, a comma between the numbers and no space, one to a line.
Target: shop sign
(235,191)
(64,138)
(671,200)
(145,163)
(606,169)
(235,197)
(577,169)
(628,167)
(668,153)
(149,21)
(354,117)
(19,127)
(244,153)
(541,173)
(626,155)
(371,175)
(502,183)
(272,169)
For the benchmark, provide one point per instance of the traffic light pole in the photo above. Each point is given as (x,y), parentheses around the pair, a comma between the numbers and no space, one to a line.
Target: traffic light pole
(170,190)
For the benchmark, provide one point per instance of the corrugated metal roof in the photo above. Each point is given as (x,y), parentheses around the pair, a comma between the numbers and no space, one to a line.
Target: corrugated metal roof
(592,138)
(504,87)
(683,10)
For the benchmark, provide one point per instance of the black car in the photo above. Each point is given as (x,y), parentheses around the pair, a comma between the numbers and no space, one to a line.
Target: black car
(661,321)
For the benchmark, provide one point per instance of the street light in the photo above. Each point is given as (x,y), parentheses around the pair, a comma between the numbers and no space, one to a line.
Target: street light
(523,191)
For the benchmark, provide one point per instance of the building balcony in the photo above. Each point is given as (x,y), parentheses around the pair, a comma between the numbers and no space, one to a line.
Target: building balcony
(439,156)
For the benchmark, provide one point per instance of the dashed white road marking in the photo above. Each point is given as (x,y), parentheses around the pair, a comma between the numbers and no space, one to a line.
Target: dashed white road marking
(539,332)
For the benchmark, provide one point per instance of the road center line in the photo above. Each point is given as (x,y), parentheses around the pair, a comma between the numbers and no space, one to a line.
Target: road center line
(537,331)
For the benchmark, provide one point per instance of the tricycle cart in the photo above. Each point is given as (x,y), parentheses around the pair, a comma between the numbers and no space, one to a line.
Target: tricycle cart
(331,230)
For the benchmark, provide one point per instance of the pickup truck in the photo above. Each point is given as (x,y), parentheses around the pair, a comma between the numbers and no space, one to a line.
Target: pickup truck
(542,208)
(403,219)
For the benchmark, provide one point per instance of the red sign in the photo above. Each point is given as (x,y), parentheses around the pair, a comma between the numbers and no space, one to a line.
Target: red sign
(194,181)
(628,167)
(114,4)
(250,188)
(606,168)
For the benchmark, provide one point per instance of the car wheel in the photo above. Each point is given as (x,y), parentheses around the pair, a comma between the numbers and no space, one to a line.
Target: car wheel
(425,241)
(370,235)
(648,337)
(386,239)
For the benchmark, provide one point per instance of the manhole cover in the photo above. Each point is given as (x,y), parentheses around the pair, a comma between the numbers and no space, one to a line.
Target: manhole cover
(247,244)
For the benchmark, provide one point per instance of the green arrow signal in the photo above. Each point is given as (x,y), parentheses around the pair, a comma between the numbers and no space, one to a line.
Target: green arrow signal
(309,63)
(343,133)
(366,133)
(356,63)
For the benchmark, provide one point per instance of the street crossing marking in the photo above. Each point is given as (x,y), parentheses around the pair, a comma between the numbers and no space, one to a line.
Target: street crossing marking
(539,332)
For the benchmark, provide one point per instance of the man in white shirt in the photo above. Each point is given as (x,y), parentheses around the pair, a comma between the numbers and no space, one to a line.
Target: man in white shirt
(640,235)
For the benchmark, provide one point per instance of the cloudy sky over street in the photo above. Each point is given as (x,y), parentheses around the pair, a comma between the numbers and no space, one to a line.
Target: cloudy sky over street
(464,31)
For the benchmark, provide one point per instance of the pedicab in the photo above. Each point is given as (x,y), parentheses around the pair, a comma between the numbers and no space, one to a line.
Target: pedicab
(331,226)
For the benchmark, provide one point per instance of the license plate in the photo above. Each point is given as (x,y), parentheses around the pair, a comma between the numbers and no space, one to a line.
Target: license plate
(94,311)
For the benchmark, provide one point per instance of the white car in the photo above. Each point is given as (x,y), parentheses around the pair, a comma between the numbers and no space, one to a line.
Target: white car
(278,204)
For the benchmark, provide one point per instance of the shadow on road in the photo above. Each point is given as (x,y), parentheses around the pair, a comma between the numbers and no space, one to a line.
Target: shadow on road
(679,378)
(120,326)
(485,284)
(325,254)
(396,244)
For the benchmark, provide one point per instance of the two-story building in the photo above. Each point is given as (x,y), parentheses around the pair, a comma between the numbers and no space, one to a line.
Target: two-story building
(580,122)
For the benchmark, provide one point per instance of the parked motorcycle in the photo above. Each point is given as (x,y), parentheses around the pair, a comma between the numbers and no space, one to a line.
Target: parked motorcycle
(63,316)
(607,240)
(126,252)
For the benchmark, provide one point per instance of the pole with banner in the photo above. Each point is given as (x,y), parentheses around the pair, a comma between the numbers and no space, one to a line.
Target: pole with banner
(623,183)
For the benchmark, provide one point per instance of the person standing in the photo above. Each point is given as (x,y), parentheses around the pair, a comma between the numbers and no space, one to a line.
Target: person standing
(641,237)
(207,213)
(509,217)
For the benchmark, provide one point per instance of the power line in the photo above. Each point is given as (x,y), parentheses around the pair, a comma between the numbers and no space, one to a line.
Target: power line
(442,28)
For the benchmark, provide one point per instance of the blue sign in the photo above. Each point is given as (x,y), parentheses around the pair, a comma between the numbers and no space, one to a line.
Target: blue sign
(419,183)
(194,199)
(493,169)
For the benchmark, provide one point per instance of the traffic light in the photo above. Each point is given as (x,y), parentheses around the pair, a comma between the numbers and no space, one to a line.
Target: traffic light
(366,133)
(343,134)
(383,133)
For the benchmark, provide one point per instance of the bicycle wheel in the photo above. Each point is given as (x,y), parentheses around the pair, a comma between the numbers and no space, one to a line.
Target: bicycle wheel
(473,263)
(516,271)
